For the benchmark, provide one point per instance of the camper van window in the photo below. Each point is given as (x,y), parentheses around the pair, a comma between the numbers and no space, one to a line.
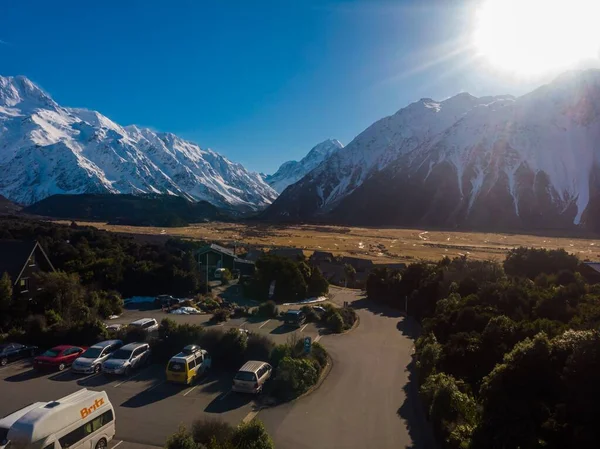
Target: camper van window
(80,433)
(50,446)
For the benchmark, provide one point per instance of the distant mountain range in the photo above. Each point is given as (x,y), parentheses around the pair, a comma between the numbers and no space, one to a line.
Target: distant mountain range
(292,171)
(504,163)
(8,207)
(47,149)
(124,209)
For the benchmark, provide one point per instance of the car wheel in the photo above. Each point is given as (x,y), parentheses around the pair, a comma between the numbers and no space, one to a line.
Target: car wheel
(3,361)
(96,369)
(61,367)
(128,371)
(101,444)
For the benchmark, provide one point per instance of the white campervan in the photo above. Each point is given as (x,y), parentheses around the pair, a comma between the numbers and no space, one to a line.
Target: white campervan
(7,422)
(82,419)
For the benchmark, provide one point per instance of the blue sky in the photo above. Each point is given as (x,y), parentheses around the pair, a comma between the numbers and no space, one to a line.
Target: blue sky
(261,82)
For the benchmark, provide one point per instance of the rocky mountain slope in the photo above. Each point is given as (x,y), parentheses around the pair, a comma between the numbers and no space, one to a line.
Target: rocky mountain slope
(292,171)
(494,162)
(47,149)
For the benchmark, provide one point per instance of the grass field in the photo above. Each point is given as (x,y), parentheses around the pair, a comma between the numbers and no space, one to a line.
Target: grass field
(380,245)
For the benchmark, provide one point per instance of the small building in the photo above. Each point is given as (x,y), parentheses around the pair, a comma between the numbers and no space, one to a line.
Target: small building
(360,265)
(215,256)
(254,254)
(22,260)
(590,271)
(321,256)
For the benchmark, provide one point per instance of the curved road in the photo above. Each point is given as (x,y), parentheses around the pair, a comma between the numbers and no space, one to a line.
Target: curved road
(366,400)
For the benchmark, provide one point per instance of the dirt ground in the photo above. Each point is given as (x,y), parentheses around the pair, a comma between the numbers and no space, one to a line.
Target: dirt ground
(384,245)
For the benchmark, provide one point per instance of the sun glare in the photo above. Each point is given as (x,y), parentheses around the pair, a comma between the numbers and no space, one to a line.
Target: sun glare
(533,37)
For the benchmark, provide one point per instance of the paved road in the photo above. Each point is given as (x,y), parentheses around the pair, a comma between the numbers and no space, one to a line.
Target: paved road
(365,401)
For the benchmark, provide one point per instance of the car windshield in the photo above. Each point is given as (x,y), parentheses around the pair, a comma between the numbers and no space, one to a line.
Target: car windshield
(245,375)
(51,353)
(92,353)
(121,354)
(177,366)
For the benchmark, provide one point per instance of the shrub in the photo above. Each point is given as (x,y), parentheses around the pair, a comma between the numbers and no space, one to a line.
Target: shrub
(335,322)
(252,435)
(268,309)
(319,354)
(311,314)
(233,349)
(181,439)
(259,347)
(294,377)
(220,315)
(226,277)
(348,315)
(208,430)
(279,353)
(135,334)
(240,311)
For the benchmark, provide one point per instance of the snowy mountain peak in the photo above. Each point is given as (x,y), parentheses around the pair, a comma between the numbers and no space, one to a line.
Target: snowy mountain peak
(500,162)
(292,171)
(46,149)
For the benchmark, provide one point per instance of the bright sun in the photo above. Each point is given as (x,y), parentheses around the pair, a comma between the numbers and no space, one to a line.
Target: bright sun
(533,37)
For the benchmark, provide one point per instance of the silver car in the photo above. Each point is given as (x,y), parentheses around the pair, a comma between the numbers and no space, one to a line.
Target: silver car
(91,360)
(126,359)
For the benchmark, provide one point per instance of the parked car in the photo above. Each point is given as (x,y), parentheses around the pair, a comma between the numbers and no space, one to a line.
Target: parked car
(113,327)
(319,309)
(188,365)
(126,359)
(251,377)
(9,352)
(147,324)
(58,357)
(167,301)
(294,318)
(91,360)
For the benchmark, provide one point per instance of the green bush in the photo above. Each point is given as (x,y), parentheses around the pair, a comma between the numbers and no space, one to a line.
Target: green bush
(278,353)
(268,309)
(310,313)
(294,377)
(232,353)
(319,354)
(335,323)
(259,347)
(348,315)
(226,277)
(209,430)
(181,439)
(220,315)
(252,435)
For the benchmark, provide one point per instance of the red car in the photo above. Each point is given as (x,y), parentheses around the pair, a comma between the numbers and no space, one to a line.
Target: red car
(58,357)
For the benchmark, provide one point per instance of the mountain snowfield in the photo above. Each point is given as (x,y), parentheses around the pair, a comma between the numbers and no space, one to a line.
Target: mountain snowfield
(47,149)
(292,171)
(493,162)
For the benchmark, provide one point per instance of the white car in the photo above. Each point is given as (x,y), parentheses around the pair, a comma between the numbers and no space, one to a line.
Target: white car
(147,324)
(129,357)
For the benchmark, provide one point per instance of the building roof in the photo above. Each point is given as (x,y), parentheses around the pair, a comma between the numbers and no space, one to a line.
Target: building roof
(216,248)
(288,252)
(244,261)
(14,254)
(254,254)
(322,255)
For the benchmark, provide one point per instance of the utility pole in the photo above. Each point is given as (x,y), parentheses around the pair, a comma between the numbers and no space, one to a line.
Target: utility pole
(207,272)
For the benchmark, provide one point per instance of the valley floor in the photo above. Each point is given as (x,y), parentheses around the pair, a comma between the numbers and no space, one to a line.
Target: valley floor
(385,245)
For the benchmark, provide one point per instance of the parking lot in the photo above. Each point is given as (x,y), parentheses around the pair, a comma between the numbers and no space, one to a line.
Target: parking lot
(148,409)
(273,328)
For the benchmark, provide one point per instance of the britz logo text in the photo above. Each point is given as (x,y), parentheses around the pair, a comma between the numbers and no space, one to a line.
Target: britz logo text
(88,410)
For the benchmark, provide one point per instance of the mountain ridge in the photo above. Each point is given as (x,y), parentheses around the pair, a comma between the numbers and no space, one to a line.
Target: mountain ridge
(500,162)
(49,149)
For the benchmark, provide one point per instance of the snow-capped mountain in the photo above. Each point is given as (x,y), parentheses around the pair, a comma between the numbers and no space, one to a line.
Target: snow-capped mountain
(494,162)
(47,149)
(292,171)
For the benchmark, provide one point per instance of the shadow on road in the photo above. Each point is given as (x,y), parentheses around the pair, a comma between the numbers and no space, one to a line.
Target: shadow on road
(413,413)
(98,380)
(27,375)
(152,395)
(228,401)
(65,376)
(409,328)
(283,329)
(376,308)
(214,383)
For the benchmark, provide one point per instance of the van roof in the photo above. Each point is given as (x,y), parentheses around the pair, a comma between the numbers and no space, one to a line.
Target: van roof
(293,312)
(9,420)
(50,417)
(252,366)
(142,321)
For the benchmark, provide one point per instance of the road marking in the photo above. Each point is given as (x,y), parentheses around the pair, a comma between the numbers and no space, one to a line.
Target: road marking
(128,379)
(318,338)
(117,444)
(303,327)
(260,327)
(250,416)
(243,324)
(190,390)
(224,396)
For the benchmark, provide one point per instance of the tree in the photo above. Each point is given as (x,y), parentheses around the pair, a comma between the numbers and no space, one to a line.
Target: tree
(6,293)
(212,431)
(294,377)
(63,293)
(349,274)
(181,439)
(318,285)
(252,435)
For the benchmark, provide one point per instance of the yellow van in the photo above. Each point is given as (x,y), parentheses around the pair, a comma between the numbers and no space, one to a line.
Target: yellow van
(188,365)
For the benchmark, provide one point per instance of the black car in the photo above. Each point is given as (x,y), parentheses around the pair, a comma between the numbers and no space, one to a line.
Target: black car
(9,352)
(294,318)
